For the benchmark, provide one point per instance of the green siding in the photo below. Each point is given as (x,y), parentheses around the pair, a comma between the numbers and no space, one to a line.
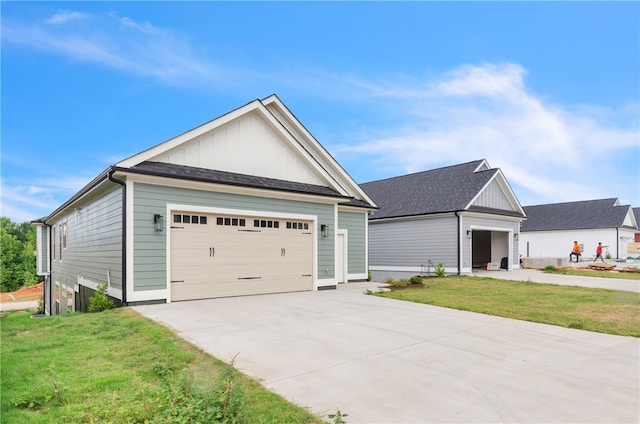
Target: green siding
(355,224)
(150,246)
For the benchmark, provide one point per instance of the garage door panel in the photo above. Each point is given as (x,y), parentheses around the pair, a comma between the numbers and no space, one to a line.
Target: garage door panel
(217,260)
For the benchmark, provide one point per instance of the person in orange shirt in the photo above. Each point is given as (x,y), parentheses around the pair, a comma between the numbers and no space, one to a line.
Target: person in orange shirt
(575,252)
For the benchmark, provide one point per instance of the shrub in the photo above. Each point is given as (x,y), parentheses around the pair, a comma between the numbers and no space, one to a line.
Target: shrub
(439,270)
(550,268)
(100,301)
(415,280)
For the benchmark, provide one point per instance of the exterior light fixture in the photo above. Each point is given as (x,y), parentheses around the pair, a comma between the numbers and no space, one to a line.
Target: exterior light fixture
(516,236)
(157,222)
(324,230)
(469,232)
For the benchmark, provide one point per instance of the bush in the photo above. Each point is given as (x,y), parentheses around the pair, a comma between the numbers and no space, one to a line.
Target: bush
(439,270)
(100,301)
(415,280)
(550,268)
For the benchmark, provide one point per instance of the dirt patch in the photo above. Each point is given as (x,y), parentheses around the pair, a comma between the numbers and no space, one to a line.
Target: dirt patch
(25,293)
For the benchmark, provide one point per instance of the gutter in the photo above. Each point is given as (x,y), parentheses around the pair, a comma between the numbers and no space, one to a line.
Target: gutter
(124,233)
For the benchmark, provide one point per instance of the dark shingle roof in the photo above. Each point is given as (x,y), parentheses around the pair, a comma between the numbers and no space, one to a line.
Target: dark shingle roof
(636,214)
(170,170)
(447,189)
(586,214)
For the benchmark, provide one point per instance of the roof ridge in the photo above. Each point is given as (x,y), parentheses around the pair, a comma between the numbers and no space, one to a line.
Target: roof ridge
(428,170)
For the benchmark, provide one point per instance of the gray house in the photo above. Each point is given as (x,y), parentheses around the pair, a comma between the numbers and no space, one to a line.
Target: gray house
(551,229)
(465,216)
(248,203)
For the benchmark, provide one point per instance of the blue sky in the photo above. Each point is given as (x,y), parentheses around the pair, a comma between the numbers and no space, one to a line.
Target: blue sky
(547,91)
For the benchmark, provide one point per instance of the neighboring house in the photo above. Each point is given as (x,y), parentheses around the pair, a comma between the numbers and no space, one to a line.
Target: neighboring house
(465,216)
(550,230)
(636,215)
(248,203)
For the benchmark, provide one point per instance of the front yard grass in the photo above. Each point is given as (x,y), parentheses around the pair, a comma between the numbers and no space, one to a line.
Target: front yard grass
(119,367)
(601,310)
(595,273)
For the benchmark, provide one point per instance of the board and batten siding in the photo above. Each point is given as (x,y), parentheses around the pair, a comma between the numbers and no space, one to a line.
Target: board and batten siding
(410,244)
(94,243)
(42,236)
(493,197)
(356,225)
(150,268)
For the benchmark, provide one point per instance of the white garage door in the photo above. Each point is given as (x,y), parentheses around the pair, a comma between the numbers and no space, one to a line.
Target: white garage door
(222,255)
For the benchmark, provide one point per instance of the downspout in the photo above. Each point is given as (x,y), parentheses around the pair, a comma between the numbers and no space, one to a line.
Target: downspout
(459,245)
(124,234)
(617,243)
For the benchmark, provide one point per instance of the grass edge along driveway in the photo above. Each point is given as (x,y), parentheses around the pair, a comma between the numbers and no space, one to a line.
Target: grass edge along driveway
(600,310)
(120,367)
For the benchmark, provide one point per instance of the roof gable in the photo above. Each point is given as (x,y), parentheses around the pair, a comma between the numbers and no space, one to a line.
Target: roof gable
(589,214)
(261,139)
(468,186)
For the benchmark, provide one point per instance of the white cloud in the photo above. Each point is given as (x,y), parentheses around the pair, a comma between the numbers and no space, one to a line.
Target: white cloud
(66,16)
(547,151)
(119,43)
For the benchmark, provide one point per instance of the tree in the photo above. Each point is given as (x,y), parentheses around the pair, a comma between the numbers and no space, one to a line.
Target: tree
(17,261)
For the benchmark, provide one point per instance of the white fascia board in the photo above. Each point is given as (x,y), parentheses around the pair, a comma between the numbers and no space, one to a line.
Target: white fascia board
(354,188)
(186,136)
(506,189)
(412,217)
(490,216)
(483,164)
(224,188)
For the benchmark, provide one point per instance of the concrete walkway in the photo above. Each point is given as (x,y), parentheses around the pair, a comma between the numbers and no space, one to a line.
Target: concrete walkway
(18,306)
(387,361)
(538,276)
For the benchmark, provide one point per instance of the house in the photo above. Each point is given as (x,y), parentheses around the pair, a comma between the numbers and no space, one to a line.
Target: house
(551,229)
(248,203)
(465,216)
(636,215)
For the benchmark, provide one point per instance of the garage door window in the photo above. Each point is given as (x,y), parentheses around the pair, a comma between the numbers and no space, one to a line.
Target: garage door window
(266,223)
(234,222)
(189,219)
(297,226)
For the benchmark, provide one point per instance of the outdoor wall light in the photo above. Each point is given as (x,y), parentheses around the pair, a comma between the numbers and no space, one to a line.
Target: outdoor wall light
(324,230)
(469,232)
(516,236)
(157,222)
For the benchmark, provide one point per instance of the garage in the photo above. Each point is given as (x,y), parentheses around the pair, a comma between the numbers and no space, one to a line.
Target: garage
(220,255)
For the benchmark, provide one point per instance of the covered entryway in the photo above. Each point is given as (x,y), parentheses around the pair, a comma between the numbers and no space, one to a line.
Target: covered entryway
(217,255)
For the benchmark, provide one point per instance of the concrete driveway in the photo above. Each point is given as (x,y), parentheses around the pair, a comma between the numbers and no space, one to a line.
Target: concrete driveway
(387,361)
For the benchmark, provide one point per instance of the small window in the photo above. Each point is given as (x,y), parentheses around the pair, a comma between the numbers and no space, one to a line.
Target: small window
(186,219)
(242,222)
(203,220)
(256,222)
(64,235)
(227,221)
(263,223)
(220,221)
(306,226)
(194,219)
(288,225)
(276,224)
(234,222)
(270,224)
(177,218)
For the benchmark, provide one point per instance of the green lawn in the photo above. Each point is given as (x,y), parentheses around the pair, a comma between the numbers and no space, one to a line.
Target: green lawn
(601,310)
(594,273)
(119,367)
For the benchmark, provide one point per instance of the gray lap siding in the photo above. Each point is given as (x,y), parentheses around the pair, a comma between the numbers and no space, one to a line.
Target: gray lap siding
(355,224)
(413,243)
(94,243)
(149,246)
